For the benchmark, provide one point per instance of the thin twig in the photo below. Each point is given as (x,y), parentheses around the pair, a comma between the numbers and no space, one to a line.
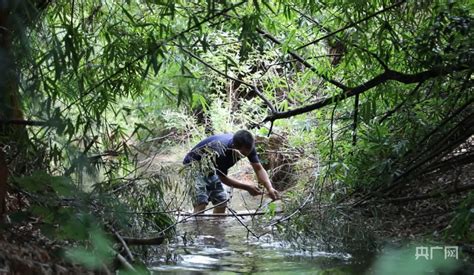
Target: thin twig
(242,223)
(351,25)
(160,238)
(251,214)
(125,263)
(381,62)
(153,50)
(69,171)
(331,152)
(454,190)
(253,87)
(394,110)
(124,244)
(160,138)
(356,116)
(106,270)
(441,126)
(311,195)
(303,61)
(458,134)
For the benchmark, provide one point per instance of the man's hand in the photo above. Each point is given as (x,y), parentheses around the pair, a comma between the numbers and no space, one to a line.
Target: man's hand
(263,178)
(254,190)
(274,195)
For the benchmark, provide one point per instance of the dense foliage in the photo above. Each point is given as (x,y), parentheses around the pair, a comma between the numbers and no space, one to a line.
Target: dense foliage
(375,92)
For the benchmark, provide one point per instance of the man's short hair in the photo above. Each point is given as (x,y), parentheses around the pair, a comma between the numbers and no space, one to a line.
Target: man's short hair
(243,139)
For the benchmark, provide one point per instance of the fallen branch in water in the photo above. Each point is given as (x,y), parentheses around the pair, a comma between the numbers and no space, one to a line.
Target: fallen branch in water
(240,214)
(149,241)
(242,223)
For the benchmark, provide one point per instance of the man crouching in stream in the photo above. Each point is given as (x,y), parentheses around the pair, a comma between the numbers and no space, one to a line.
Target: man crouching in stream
(227,150)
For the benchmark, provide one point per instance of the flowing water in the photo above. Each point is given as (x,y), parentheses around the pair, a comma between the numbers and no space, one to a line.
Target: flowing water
(222,245)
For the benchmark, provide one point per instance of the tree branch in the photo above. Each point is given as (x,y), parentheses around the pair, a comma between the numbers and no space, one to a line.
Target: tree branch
(302,61)
(24,122)
(125,263)
(394,110)
(153,49)
(460,133)
(253,87)
(441,126)
(121,240)
(454,190)
(241,222)
(456,161)
(240,214)
(351,25)
(354,124)
(381,78)
(421,144)
(161,237)
(379,60)
(312,20)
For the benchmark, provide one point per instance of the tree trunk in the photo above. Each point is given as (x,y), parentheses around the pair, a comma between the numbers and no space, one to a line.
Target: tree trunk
(3,184)
(9,98)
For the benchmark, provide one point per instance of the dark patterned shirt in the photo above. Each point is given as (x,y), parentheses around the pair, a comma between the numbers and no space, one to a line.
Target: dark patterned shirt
(222,146)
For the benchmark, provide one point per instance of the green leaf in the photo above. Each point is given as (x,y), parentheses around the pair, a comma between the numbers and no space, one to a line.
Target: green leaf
(156,65)
(285,46)
(231,60)
(101,252)
(125,11)
(84,257)
(283,106)
(74,229)
(267,4)
(62,185)
(271,209)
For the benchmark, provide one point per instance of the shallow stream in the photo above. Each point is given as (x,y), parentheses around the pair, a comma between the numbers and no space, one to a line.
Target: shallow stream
(222,245)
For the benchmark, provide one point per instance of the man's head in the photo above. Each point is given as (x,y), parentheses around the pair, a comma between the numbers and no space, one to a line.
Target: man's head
(243,141)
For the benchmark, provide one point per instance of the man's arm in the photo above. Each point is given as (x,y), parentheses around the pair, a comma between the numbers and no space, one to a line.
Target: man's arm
(252,189)
(263,178)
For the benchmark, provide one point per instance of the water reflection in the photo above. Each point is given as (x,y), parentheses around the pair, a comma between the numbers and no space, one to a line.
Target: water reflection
(221,245)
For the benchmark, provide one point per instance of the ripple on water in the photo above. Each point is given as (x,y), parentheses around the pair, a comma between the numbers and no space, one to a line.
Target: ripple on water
(222,245)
